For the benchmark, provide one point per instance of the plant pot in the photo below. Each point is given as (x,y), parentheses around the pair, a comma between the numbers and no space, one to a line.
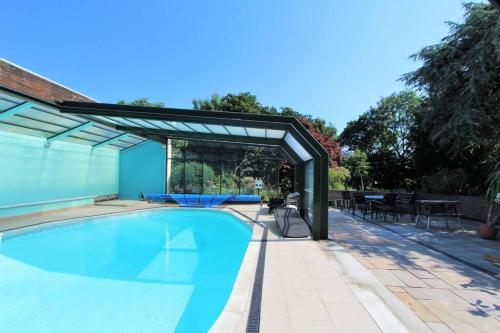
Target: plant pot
(487,231)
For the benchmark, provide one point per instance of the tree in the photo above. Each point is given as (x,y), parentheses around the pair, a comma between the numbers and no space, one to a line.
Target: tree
(358,165)
(243,102)
(337,178)
(332,147)
(142,102)
(385,132)
(461,79)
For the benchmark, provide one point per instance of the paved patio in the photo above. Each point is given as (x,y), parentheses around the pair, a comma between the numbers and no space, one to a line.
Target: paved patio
(440,275)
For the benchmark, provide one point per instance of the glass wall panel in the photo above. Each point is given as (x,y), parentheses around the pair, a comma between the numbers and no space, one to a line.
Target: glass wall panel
(205,167)
(193,155)
(309,190)
(193,177)
(249,173)
(178,147)
(177,177)
(268,172)
(211,177)
(286,179)
(230,178)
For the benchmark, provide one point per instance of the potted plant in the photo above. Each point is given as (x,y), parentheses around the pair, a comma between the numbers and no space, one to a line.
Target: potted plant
(487,230)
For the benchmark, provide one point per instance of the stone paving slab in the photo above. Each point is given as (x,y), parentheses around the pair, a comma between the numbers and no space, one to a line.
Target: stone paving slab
(448,295)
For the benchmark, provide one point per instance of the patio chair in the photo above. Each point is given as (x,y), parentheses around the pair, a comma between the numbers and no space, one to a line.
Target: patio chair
(292,199)
(359,202)
(275,203)
(406,205)
(388,205)
(346,200)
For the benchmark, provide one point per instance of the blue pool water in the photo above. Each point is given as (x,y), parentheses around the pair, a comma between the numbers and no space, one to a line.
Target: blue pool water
(169,270)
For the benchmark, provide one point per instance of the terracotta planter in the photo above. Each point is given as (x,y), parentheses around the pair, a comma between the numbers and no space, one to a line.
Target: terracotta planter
(487,232)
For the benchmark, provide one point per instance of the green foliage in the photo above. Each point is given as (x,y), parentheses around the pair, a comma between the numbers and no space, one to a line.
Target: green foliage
(461,78)
(243,102)
(337,178)
(358,165)
(142,102)
(193,177)
(445,181)
(385,133)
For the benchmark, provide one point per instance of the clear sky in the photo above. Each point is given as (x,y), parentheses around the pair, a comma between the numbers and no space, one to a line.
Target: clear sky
(329,58)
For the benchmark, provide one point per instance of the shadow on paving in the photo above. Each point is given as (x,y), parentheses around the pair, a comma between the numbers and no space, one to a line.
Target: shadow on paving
(449,264)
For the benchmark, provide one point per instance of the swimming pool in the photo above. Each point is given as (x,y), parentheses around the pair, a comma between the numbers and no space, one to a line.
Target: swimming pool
(168,270)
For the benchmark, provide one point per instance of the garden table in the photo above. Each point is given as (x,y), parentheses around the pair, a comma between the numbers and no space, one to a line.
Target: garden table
(373,197)
(445,208)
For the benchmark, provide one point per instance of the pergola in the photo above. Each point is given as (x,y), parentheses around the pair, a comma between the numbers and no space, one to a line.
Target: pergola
(287,133)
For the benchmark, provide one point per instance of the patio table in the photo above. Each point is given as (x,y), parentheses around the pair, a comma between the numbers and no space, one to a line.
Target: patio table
(445,208)
(373,197)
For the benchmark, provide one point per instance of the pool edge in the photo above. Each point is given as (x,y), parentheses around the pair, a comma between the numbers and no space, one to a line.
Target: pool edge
(234,316)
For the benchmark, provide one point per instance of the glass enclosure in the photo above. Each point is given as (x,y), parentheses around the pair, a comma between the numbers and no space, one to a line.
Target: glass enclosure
(220,168)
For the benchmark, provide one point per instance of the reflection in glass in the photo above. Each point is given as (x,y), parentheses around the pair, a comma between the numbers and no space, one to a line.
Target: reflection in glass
(309,190)
(229,177)
(211,177)
(194,177)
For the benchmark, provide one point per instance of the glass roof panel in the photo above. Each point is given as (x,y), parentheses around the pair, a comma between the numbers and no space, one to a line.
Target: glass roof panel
(115,147)
(25,122)
(119,145)
(11,98)
(22,130)
(144,123)
(160,124)
(258,132)
(78,140)
(5,105)
(179,126)
(101,131)
(133,139)
(198,127)
(297,147)
(275,134)
(106,119)
(237,130)
(217,129)
(123,122)
(50,118)
(89,136)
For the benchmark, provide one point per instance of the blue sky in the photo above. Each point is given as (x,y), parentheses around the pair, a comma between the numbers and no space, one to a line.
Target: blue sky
(329,58)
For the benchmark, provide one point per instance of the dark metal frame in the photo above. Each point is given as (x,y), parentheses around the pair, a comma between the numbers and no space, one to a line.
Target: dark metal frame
(289,124)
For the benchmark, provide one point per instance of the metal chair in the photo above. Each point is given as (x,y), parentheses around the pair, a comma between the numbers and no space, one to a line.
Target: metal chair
(388,205)
(359,202)
(346,200)
(406,205)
